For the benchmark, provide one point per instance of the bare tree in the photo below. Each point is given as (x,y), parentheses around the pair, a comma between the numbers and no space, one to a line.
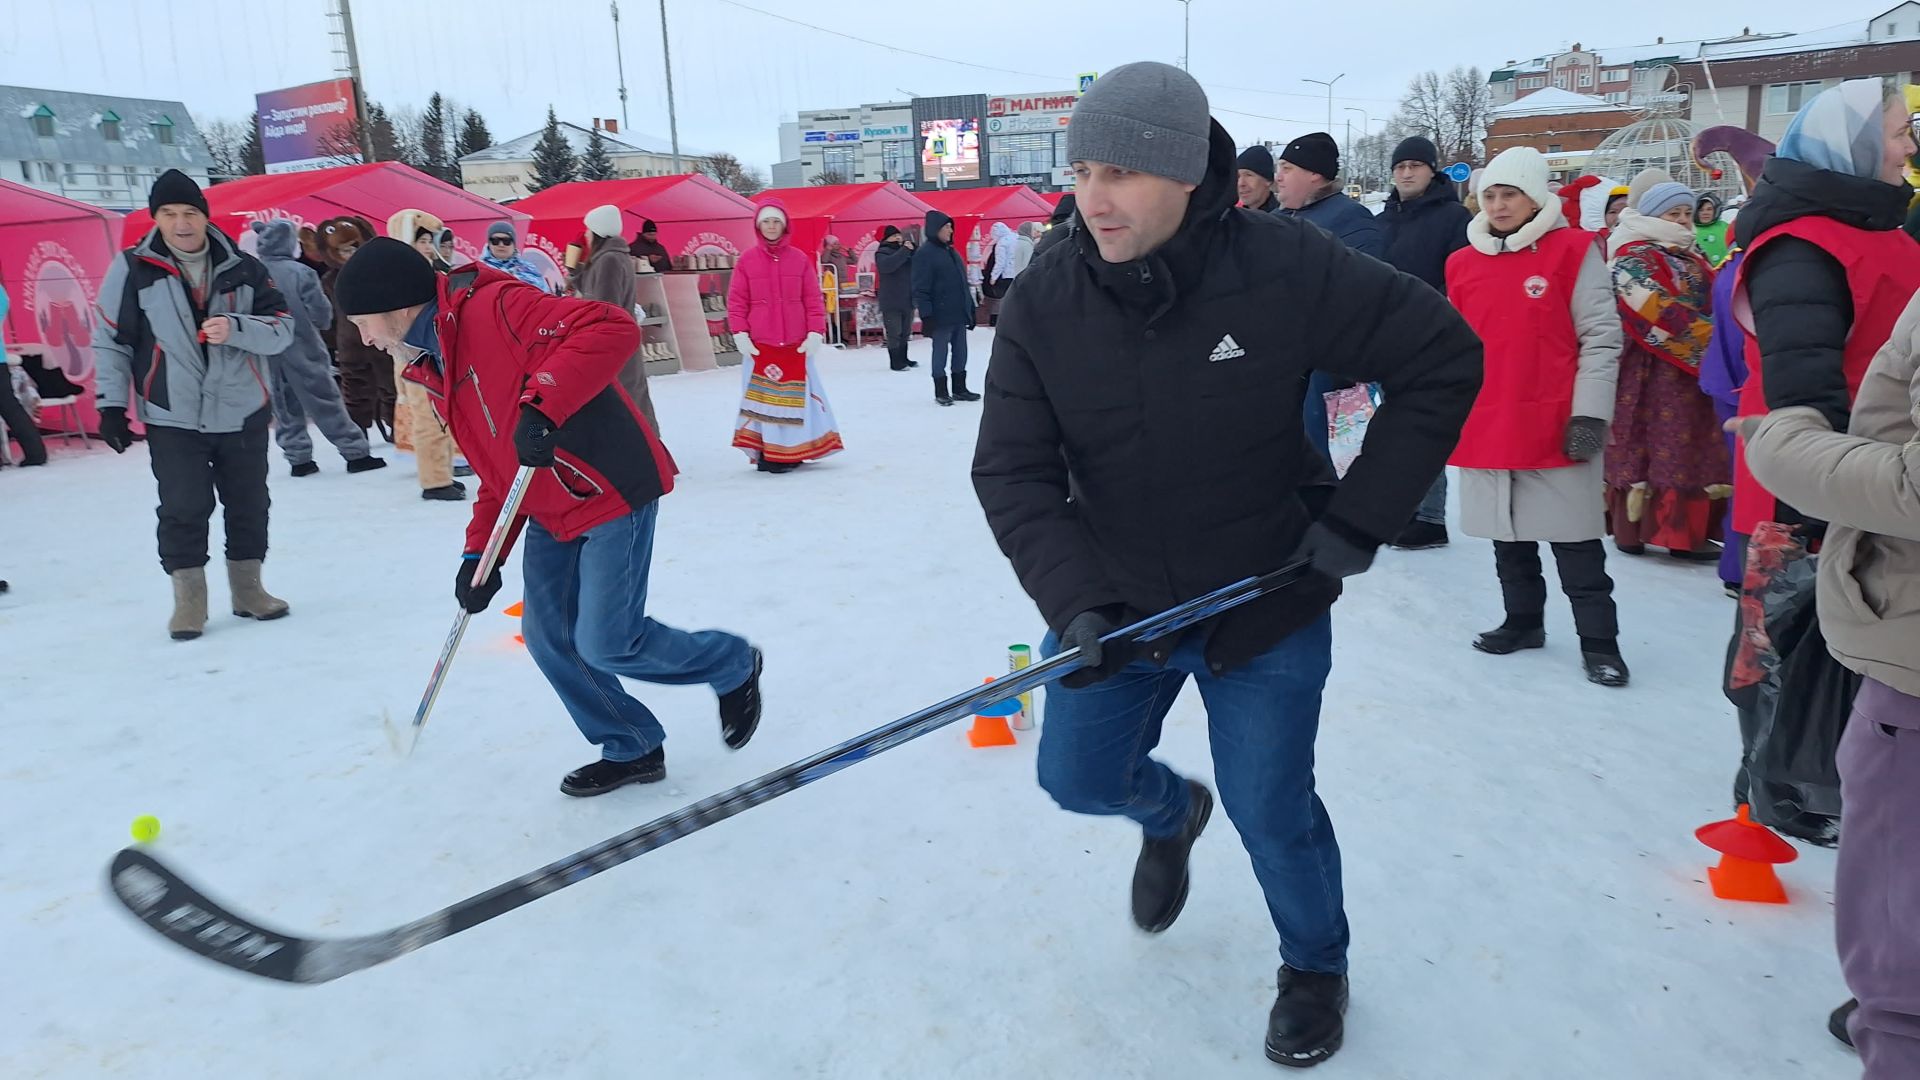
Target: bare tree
(729,173)
(406,136)
(224,139)
(1450,109)
(828,178)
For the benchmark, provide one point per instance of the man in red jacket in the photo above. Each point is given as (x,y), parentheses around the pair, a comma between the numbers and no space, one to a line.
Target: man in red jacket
(526,379)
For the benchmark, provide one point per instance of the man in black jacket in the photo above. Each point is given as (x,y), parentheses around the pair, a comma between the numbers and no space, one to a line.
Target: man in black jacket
(1142,445)
(893,264)
(1424,223)
(946,306)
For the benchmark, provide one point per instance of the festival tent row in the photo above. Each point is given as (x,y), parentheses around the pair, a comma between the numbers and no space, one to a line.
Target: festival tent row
(695,215)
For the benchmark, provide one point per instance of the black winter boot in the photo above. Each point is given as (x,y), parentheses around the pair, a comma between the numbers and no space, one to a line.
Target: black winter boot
(1518,632)
(1160,874)
(1421,536)
(740,708)
(304,468)
(603,776)
(960,391)
(1601,658)
(1837,1021)
(1307,1023)
(450,492)
(940,395)
(897,359)
(366,464)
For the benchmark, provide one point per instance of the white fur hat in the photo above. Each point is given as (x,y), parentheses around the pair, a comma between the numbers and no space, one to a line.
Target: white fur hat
(604,220)
(1520,167)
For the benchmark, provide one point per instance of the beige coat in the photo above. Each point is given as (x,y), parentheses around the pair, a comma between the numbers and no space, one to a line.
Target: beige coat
(610,278)
(1558,505)
(1866,483)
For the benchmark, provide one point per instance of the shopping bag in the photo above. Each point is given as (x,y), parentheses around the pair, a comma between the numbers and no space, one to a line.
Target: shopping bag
(1349,411)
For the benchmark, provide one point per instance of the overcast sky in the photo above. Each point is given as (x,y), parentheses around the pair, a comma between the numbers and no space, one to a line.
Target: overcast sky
(738,72)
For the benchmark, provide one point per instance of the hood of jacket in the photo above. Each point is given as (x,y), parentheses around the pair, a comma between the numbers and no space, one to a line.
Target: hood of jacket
(605,244)
(934,223)
(1183,257)
(1438,193)
(277,239)
(1789,190)
(1000,231)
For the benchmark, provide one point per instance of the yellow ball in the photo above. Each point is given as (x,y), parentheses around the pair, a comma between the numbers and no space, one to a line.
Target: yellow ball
(145,828)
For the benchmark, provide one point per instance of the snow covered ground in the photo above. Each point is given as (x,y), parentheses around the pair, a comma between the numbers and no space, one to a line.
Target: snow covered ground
(1526,894)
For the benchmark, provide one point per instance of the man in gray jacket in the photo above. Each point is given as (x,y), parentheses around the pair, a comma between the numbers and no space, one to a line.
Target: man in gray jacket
(186,321)
(301,378)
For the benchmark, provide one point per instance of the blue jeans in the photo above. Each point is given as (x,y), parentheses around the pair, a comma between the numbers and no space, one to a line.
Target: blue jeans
(1313,411)
(586,623)
(1433,508)
(1261,722)
(945,338)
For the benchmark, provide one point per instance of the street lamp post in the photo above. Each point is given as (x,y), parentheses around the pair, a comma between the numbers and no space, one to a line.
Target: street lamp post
(1328,83)
(1366,132)
(1186,35)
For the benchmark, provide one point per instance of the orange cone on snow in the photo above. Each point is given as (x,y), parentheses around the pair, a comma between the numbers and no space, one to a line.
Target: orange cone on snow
(1748,852)
(516,610)
(990,723)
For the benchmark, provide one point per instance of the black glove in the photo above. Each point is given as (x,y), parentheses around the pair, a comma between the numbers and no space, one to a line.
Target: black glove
(1585,438)
(533,438)
(1334,550)
(1103,662)
(114,430)
(475,598)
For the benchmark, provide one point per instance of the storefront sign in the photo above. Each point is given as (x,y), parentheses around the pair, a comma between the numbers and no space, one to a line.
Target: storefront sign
(1013,104)
(829,136)
(1027,179)
(1036,122)
(891,131)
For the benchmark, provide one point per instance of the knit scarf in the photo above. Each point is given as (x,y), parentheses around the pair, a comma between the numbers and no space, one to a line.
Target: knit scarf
(1481,235)
(1636,227)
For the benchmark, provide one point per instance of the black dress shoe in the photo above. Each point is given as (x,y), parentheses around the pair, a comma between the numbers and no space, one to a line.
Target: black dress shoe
(603,776)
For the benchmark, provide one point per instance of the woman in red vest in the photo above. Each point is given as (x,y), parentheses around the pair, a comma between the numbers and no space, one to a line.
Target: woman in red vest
(1538,294)
(1667,462)
(1827,272)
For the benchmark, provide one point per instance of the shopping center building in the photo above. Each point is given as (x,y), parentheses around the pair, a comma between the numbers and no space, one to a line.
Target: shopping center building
(925,144)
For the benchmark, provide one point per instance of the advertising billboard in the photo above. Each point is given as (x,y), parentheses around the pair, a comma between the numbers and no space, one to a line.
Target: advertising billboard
(307,127)
(950,148)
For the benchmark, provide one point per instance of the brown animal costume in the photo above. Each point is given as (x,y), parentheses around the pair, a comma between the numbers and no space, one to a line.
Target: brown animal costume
(366,373)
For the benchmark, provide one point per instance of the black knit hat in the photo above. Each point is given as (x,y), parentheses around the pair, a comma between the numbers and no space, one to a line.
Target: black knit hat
(384,275)
(175,188)
(1417,148)
(1316,153)
(1257,160)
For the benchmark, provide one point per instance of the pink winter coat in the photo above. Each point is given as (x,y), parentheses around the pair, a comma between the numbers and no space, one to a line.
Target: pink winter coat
(775,297)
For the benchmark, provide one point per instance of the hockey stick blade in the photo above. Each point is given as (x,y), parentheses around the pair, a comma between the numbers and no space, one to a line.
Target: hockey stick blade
(184,915)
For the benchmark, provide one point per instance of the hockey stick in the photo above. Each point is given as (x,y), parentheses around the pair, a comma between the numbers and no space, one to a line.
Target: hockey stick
(186,917)
(502,525)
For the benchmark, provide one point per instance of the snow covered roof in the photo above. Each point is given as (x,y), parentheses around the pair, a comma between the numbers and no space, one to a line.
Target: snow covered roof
(1840,36)
(629,142)
(77,136)
(1554,101)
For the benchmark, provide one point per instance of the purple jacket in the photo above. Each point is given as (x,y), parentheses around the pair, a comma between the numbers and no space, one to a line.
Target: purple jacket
(1723,371)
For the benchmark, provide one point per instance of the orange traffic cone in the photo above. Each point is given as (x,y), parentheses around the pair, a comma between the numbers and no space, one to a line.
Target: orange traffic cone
(516,610)
(990,724)
(1748,851)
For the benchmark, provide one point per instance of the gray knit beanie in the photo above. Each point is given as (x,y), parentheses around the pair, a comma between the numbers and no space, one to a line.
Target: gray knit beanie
(1664,196)
(1148,117)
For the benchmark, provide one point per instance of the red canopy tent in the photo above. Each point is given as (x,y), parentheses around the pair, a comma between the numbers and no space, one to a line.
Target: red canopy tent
(850,212)
(695,214)
(1052,198)
(375,192)
(974,210)
(53,254)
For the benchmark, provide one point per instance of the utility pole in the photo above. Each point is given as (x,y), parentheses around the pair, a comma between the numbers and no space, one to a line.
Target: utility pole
(673,121)
(1328,83)
(1366,132)
(1186,35)
(343,10)
(620,62)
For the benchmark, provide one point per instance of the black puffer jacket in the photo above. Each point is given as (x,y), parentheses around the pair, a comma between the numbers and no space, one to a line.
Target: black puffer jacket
(1802,307)
(940,279)
(894,264)
(1421,232)
(1142,444)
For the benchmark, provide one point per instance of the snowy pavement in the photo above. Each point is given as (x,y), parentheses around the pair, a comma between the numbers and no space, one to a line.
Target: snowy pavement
(1526,895)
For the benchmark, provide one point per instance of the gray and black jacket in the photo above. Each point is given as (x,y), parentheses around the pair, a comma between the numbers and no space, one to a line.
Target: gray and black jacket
(147,340)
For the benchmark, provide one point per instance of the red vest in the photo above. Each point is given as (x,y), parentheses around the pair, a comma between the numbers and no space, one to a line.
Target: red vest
(1521,305)
(1883,273)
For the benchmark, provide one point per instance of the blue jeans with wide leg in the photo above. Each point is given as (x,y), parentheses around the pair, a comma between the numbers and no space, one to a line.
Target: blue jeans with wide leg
(1261,721)
(586,623)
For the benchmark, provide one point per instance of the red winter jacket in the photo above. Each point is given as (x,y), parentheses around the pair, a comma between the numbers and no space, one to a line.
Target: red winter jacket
(503,345)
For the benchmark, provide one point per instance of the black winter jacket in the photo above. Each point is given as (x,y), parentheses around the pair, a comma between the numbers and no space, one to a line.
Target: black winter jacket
(1142,440)
(1802,307)
(940,280)
(894,265)
(1422,232)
